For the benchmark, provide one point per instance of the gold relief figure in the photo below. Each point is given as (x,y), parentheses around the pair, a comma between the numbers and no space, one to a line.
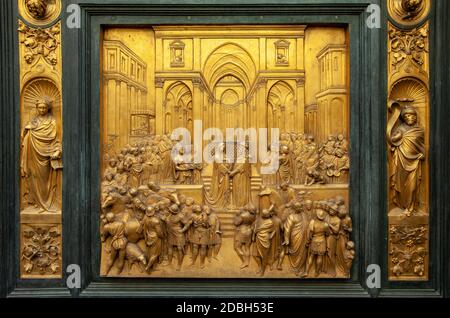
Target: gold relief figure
(115,248)
(115,199)
(154,236)
(284,170)
(342,158)
(407,141)
(187,207)
(334,159)
(311,162)
(343,237)
(299,157)
(294,157)
(327,152)
(269,198)
(162,212)
(186,173)
(176,238)
(263,233)
(308,206)
(316,242)
(135,167)
(277,249)
(310,146)
(295,229)
(334,224)
(41,159)
(313,173)
(215,234)
(134,254)
(243,222)
(200,236)
(241,178)
(220,194)
(183,170)
(285,140)
(288,196)
(349,256)
(166,167)
(112,166)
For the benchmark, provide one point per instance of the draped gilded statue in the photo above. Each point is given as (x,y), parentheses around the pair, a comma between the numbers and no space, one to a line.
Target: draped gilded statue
(41,159)
(407,141)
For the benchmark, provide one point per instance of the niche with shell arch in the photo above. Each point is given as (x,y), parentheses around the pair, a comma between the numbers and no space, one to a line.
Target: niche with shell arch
(413,92)
(34,90)
(39,88)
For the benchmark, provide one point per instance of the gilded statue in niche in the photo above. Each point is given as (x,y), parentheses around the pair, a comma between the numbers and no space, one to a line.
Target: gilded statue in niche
(40,166)
(41,159)
(407,140)
(167,213)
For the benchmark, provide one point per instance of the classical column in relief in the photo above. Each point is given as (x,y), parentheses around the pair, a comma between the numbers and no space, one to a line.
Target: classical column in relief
(300,109)
(197,99)
(261,99)
(159,100)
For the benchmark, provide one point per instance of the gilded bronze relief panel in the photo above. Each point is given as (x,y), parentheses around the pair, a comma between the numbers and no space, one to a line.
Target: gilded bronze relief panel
(408,138)
(225,152)
(41,151)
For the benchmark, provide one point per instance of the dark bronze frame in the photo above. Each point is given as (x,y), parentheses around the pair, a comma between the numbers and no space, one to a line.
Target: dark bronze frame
(81,117)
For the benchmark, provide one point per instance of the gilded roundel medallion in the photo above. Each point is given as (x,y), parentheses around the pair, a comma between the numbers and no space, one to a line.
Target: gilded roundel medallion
(408,12)
(40,12)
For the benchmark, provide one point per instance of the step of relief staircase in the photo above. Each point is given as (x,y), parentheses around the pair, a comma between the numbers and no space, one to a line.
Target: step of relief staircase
(227,216)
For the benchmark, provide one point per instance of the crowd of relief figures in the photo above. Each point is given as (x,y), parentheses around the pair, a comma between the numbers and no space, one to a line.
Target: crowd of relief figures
(301,161)
(154,227)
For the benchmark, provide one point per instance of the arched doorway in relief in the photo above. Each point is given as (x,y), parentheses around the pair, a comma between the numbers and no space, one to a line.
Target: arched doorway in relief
(178,104)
